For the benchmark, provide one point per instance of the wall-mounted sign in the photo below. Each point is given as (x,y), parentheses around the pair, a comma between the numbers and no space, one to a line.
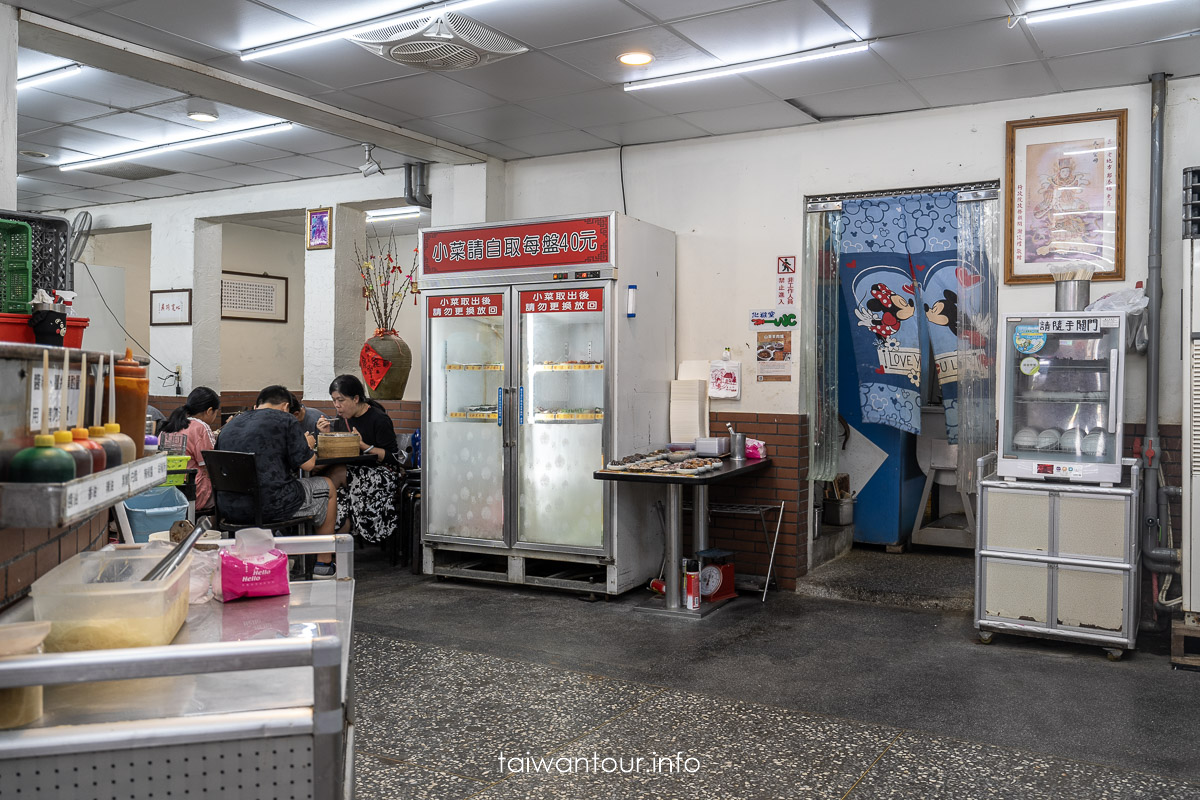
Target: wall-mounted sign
(557,301)
(785,265)
(551,243)
(785,290)
(171,307)
(467,305)
(778,318)
(774,360)
(262,298)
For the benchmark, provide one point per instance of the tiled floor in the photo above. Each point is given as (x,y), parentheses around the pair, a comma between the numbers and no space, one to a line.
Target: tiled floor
(453,677)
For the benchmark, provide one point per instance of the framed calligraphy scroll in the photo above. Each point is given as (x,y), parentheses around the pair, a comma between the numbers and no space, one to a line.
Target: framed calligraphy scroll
(1065,196)
(171,307)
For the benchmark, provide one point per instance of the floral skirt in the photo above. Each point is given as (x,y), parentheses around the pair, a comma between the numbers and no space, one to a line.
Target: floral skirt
(368,500)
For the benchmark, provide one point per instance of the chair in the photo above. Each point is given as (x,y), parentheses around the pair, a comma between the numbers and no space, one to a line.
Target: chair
(235,473)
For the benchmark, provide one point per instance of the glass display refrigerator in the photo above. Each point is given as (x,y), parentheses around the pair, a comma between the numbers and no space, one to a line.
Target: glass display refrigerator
(1062,397)
(548,348)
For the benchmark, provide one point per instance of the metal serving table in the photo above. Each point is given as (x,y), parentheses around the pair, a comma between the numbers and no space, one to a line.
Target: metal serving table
(670,604)
(252,700)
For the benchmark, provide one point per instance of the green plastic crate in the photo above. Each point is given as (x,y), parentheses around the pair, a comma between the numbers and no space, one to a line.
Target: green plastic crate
(16,261)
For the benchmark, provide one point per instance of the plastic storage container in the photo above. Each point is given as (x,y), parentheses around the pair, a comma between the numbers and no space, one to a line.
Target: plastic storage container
(155,510)
(98,601)
(16,263)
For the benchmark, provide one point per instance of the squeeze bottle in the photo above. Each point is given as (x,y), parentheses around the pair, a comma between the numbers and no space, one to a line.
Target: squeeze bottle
(133,390)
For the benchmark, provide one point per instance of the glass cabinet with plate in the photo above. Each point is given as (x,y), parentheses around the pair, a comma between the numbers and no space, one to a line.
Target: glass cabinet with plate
(1062,397)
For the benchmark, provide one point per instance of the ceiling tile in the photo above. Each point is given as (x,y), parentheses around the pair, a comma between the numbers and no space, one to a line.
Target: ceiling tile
(761,31)
(40,204)
(61,9)
(598,57)
(191,183)
(29,124)
(527,76)
(307,140)
(231,117)
(982,44)
(825,75)
(130,31)
(354,156)
(763,116)
(366,108)
(97,196)
(56,108)
(667,10)
(545,23)
(505,122)
(644,131)
(229,25)
(1116,29)
(38,186)
(246,175)
(594,108)
(243,151)
(1128,65)
(147,191)
(437,130)
(304,167)
(145,129)
(864,101)
(986,85)
(728,92)
(550,144)
(265,72)
(83,140)
(31,62)
(426,95)
(500,151)
(107,88)
(183,161)
(57,155)
(75,177)
(871,19)
(325,14)
(339,65)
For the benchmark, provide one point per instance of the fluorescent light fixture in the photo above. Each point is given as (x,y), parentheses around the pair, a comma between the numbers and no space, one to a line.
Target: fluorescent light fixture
(354,29)
(186,144)
(48,76)
(387,214)
(1085,9)
(749,66)
(635,59)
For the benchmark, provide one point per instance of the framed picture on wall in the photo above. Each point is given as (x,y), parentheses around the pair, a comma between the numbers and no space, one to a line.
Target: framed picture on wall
(318,229)
(262,298)
(1065,198)
(171,307)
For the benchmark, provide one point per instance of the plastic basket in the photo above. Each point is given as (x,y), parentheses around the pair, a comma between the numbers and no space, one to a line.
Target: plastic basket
(177,469)
(153,510)
(16,261)
(49,247)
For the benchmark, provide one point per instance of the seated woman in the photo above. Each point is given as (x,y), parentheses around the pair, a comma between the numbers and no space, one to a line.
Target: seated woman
(195,417)
(367,502)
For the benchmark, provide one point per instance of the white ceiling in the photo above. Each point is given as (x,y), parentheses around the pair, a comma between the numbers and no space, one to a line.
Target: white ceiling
(565,94)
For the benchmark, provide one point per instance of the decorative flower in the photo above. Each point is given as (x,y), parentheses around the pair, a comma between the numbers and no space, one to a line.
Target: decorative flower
(379,263)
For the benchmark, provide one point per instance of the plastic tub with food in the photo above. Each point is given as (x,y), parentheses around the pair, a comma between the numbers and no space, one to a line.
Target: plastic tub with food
(21,705)
(98,601)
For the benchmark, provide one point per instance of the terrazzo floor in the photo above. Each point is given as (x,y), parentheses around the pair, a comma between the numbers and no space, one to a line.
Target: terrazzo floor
(473,691)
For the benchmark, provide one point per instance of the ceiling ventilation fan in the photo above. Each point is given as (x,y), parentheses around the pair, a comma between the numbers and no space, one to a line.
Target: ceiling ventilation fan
(439,41)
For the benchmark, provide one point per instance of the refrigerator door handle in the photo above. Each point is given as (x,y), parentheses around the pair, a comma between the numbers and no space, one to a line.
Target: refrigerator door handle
(520,405)
(1114,381)
(500,406)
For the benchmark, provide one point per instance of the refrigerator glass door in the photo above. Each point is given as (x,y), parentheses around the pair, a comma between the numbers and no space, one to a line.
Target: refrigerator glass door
(561,406)
(464,474)
(1062,402)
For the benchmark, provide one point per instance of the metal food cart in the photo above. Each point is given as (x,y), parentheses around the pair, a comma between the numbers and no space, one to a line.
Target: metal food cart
(252,700)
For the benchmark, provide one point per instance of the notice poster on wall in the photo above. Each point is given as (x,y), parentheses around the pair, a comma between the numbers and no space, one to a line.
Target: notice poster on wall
(774,356)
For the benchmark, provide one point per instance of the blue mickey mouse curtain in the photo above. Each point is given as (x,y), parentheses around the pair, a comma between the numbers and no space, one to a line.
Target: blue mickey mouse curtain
(900,278)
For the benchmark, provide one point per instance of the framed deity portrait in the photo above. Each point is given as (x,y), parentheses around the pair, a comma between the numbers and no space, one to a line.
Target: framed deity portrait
(1065,196)
(318,229)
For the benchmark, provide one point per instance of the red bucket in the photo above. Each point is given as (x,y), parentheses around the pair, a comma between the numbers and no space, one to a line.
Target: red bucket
(15,328)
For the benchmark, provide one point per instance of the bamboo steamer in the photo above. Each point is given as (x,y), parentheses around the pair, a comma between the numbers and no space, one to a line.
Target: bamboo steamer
(337,445)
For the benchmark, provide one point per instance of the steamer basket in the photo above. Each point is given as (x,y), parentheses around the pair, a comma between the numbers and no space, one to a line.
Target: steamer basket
(337,445)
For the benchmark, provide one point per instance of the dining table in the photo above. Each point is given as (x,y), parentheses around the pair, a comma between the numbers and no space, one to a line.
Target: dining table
(670,604)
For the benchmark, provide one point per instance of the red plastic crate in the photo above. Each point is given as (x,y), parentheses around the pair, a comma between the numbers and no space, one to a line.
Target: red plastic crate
(15,328)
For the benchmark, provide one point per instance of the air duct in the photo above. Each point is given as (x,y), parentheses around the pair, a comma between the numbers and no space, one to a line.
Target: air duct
(414,186)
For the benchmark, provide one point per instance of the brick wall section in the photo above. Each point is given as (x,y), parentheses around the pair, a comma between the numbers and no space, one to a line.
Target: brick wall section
(27,554)
(1170,449)
(786,436)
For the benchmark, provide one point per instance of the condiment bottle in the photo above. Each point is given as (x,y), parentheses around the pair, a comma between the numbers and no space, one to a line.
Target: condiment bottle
(99,455)
(112,450)
(42,463)
(128,449)
(64,441)
(133,392)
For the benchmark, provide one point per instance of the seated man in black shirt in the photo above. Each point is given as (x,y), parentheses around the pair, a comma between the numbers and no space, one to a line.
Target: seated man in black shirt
(281,450)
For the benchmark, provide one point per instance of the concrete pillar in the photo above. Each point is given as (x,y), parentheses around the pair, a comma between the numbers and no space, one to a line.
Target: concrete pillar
(186,254)
(334,308)
(468,194)
(8,107)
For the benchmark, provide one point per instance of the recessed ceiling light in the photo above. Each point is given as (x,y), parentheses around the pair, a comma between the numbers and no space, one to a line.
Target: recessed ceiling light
(202,110)
(33,154)
(635,59)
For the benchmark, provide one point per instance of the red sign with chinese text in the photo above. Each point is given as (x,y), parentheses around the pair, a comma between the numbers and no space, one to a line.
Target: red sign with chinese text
(556,243)
(557,301)
(467,305)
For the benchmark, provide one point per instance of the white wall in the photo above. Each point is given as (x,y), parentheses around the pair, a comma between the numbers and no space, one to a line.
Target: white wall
(258,354)
(736,202)
(129,250)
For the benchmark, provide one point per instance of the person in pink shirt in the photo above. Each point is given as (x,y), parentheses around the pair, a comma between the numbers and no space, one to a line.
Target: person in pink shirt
(195,417)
